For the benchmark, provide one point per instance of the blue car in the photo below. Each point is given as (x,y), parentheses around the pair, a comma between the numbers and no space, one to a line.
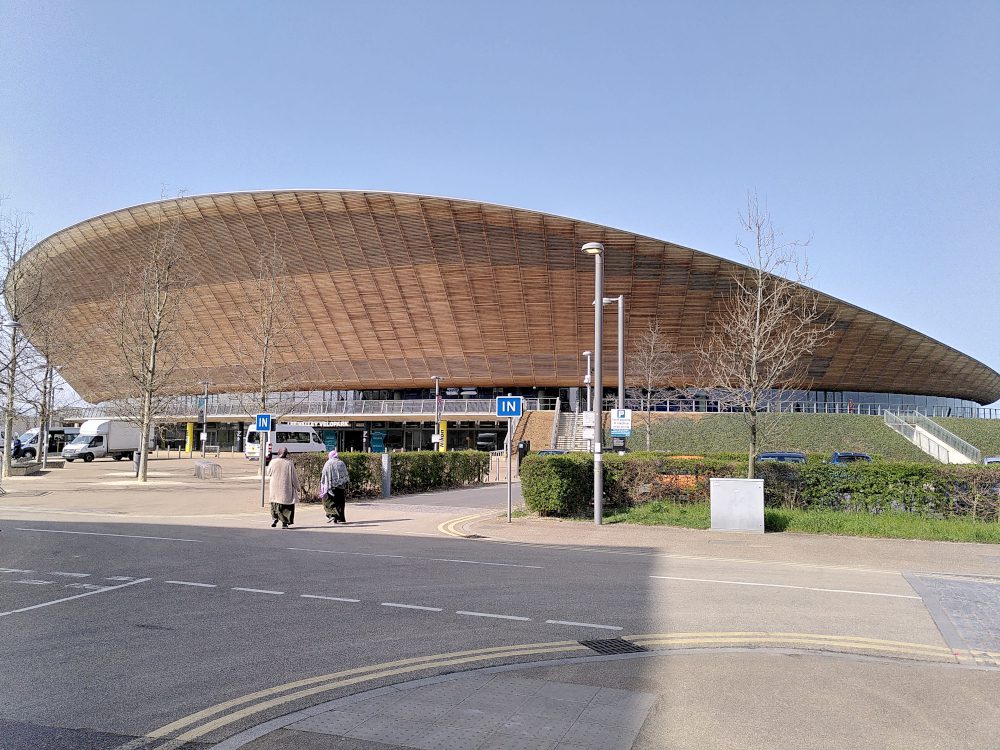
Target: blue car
(849,457)
(788,457)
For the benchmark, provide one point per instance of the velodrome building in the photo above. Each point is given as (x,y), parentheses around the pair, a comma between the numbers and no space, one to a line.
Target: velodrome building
(388,290)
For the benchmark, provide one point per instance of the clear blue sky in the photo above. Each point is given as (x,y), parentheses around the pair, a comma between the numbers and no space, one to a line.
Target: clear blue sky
(872,127)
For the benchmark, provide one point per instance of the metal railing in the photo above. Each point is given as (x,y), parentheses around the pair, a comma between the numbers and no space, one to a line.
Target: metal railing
(942,435)
(806,407)
(554,435)
(423,408)
(919,439)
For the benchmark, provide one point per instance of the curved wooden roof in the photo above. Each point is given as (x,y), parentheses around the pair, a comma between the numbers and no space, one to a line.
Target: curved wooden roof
(393,288)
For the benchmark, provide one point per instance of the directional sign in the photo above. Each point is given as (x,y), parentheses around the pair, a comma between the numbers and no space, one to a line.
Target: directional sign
(263,422)
(509,406)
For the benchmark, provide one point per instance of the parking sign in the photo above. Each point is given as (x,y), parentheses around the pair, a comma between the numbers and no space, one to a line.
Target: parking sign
(263,422)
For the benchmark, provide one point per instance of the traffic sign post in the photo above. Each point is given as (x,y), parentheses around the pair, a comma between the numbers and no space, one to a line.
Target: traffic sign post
(510,407)
(263,425)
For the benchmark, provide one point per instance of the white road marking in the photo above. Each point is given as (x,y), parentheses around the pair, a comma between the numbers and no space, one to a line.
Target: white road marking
(488,614)
(119,578)
(77,596)
(786,586)
(258,591)
(329,598)
(123,536)
(404,557)
(34,583)
(583,624)
(70,575)
(90,586)
(192,583)
(15,570)
(411,606)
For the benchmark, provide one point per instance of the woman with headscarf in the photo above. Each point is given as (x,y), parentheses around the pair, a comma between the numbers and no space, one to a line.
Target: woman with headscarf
(333,488)
(284,489)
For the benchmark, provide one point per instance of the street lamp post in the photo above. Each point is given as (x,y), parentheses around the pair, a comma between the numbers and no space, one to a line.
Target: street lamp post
(586,380)
(204,419)
(437,413)
(620,299)
(597,250)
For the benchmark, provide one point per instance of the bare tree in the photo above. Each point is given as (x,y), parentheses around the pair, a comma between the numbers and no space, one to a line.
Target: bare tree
(649,369)
(757,346)
(146,310)
(24,295)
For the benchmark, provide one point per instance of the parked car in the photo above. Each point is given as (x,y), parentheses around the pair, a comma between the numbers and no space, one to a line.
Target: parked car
(105,437)
(58,438)
(296,437)
(991,460)
(789,457)
(849,457)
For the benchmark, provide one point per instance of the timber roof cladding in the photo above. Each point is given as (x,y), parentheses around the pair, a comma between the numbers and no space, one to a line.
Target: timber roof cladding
(390,289)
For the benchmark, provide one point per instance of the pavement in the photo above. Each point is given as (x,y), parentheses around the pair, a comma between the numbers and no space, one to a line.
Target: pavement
(539,633)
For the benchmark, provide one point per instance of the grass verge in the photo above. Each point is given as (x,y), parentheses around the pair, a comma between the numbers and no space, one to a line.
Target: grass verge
(884,525)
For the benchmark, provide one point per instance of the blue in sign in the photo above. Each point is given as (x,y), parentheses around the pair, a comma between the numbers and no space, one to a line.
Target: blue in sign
(509,406)
(263,423)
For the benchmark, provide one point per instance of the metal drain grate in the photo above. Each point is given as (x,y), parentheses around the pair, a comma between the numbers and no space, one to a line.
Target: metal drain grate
(614,646)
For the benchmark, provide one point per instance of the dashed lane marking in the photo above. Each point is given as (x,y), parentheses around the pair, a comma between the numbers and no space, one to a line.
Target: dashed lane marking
(490,614)
(15,570)
(330,598)
(411,606)
(582,624)
(258,591)
(69,575)
(33,582)
(193,583)
(405,557)
(123,536)
(77,596)
(787,586)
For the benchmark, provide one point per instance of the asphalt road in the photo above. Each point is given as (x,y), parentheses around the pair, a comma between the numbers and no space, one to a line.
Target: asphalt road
(110,631)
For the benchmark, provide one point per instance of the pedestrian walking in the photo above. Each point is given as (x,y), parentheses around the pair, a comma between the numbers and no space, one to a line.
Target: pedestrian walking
(333,488)
(284,489)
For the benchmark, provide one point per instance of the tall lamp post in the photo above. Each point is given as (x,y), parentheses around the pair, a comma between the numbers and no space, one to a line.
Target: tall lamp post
(597,250)
(204,419)
(437,413)
(586,380)
(620,299)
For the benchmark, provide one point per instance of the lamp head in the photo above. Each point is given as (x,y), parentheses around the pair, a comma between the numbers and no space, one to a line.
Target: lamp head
(586,354)
(593,248)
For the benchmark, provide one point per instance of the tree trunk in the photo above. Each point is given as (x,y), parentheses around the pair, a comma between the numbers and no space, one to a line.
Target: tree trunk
(8,421)
(147,408)
(753,444)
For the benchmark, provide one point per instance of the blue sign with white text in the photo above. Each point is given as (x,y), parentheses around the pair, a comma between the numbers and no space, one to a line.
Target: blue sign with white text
(509,406)
(263,422)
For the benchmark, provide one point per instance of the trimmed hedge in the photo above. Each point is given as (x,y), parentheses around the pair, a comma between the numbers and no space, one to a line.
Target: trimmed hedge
(417,471)
(563,485)
(420,471)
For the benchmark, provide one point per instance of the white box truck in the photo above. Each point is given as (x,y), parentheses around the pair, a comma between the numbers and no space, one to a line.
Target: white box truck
(103,437)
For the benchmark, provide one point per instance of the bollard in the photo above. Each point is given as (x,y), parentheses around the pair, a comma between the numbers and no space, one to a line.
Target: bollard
(386,475)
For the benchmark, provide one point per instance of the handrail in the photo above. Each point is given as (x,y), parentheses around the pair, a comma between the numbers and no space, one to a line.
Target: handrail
(945,436)
(911,433)
(554,435)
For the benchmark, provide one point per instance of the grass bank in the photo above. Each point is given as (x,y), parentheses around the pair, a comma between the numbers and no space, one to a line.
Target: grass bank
(883,525)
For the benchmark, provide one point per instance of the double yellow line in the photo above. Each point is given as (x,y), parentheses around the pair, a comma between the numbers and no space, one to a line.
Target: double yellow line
(197,725)
(450,528)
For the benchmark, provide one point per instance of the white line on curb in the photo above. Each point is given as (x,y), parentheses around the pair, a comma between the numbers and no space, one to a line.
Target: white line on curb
(411,606)
(329,598)
(786,586)
(488,614)
(582,624)
(258,591)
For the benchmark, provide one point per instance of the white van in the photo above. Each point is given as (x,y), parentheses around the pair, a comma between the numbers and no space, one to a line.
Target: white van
(296,437)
